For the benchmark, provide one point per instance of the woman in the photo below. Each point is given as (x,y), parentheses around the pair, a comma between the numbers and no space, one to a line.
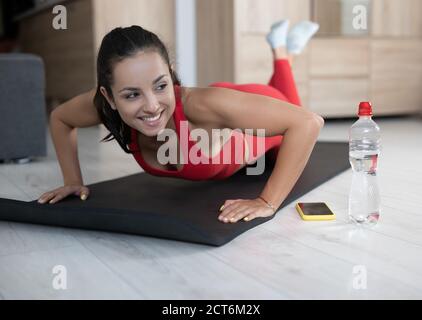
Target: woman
(139,96)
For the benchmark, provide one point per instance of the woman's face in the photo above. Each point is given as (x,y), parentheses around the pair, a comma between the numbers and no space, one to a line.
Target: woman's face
(143,92)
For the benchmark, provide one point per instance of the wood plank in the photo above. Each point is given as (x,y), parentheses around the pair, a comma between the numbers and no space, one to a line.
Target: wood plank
(283,259)
(155,16)
(168,269)
(303,89)
(258,16)
(402,222)
(337,97)
(19,238)
(30,276)
(255,61)
(328,14)
(339,58)
(215,41)
(8,189)
(391,18)
(72,71)
(396,76)
(342,239)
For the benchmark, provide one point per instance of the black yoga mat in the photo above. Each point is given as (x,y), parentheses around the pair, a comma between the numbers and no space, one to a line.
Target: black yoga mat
(173,208)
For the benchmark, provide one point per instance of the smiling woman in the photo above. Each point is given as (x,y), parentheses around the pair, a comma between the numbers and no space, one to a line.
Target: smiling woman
(139,97)
(124,99)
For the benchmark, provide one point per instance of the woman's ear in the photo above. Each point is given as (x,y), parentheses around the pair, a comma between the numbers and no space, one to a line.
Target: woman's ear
(109,100)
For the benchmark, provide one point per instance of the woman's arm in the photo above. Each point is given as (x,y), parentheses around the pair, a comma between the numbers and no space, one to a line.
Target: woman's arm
(300,127)
(78,112)
(294,153)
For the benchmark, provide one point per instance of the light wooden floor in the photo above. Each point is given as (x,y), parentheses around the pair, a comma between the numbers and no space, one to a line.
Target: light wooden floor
(285,258)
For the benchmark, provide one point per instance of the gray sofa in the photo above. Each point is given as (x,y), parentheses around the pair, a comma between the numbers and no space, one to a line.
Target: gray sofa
(23,117)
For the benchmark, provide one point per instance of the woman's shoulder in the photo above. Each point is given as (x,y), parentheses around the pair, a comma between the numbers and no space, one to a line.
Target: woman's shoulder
(195,108)
(191,94)
(191,97)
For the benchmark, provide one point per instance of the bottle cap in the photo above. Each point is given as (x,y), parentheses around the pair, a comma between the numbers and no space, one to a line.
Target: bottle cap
(365,109)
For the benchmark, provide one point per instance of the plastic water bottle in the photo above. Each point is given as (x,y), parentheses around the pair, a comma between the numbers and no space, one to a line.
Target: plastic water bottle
(364,149)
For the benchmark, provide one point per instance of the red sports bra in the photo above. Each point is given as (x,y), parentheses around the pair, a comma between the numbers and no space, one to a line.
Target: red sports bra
(206,169)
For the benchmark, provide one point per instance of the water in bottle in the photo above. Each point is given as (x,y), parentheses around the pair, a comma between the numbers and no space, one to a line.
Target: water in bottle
(364,149)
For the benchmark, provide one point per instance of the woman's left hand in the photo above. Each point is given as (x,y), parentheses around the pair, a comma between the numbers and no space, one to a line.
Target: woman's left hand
(246,209)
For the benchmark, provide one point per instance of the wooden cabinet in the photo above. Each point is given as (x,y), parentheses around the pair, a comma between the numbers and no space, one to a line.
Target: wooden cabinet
(339,72)
(332,57)
(216,41)
(392,18)
(334,73)
(70,55)
(396,77)
(231,43)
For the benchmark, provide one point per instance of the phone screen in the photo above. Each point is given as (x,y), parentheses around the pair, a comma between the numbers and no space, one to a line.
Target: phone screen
(315,209)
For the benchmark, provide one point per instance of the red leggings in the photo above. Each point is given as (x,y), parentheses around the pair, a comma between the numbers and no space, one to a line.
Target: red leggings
(281,86)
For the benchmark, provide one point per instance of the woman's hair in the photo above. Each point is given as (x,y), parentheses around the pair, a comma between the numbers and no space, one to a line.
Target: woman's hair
(118,44)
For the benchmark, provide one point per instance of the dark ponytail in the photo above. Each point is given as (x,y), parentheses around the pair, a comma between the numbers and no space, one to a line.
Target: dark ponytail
(117,45)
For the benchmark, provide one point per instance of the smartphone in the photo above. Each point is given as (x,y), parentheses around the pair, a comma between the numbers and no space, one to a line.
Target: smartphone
(315,211)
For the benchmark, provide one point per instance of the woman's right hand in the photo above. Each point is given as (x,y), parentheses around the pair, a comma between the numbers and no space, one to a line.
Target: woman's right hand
(62,192)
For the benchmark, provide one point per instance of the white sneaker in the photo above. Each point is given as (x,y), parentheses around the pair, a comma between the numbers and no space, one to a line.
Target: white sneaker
(277,37)
(299,36)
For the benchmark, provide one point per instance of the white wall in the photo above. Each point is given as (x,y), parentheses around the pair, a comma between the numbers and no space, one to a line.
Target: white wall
(186,41)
